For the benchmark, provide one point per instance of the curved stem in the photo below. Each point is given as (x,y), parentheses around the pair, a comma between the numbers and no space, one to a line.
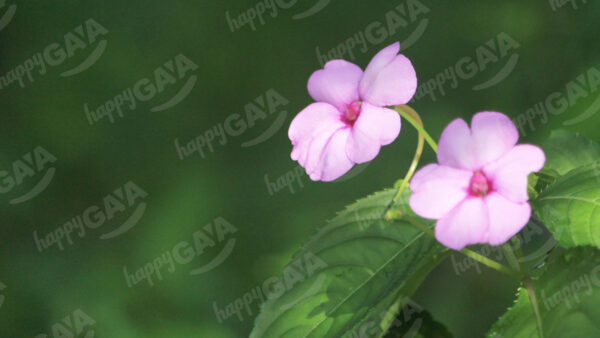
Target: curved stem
(413,118)
(416,158)
(514,261)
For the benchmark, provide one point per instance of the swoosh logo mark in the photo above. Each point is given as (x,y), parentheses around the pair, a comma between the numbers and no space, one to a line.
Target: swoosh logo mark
(416,35)
(183,93)
(10,13)
(313,290)
(591,111)
(221,257)
(502,74)
(39,187)
(312,11)
(269,132)
(549,245)
(544,249)
(96,54)
(129,223)
(357,170)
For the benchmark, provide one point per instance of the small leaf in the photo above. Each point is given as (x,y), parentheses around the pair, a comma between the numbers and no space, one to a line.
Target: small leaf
(362,264)
(570,207)
(567,293)
(566,151)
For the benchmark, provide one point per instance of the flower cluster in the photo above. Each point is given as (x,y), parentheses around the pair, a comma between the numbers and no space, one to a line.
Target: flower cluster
(477,192)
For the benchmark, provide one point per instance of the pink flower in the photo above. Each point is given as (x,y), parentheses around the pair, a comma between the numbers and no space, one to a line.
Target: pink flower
(478,192)
(348,124)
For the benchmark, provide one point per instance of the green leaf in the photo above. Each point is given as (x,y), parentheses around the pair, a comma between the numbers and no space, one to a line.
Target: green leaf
(361,265)
(567,293)
(569,207)
(566,151)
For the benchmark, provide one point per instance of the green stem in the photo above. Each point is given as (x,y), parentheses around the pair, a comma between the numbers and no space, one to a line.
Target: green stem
(514,260)
(416,158)
(407,113)
(490,263)
(529,285)
(510,256)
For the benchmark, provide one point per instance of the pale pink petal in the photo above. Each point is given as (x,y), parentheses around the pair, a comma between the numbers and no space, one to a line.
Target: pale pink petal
(506,218)
(509,173)
(382,58)
(314,119)
(491,135)
(390,79)
(333,162)
(315,150)
(377,64)
(456,147)
(374,127)
(394,84)
(326,155)
(466,224)
(438,189)
(336,84)
(494,134)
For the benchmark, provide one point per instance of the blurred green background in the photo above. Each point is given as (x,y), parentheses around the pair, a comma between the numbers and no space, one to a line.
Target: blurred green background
(47,291)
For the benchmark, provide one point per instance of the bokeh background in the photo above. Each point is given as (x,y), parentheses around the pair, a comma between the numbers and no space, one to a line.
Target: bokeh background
(39,290)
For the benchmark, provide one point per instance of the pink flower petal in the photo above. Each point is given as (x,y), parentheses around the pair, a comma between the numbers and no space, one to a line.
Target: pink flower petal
(466,224)
(374,127)
(494,134)
(491,135)
(456,148)
(326,158)
(506,218)
(390,79)
(333,162)
(336,84)
(437,190)
(509,173)
(314,119)
(382,59)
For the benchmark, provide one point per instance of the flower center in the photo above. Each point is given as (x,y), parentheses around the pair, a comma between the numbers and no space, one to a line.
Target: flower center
(479,185)
(352,112)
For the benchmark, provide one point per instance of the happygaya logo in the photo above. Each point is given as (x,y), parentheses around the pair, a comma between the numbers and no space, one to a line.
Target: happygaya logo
(304,268)
(39,164)
(400,19)
(557,4)
(8,14)
(174,71)
(583,88)
(128,199)
(75,43)
(217,233)
(257,12)
(409,319)
(235,125)
(75,324)
(497,51)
